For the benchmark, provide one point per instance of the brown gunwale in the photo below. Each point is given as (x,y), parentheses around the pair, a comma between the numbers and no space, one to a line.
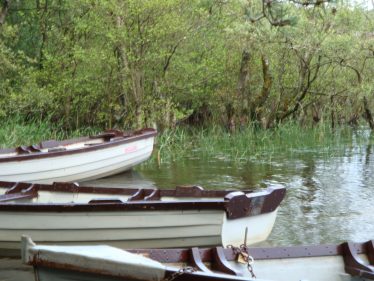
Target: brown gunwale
(142,134)
(179,191)
(235,204)
(104,207)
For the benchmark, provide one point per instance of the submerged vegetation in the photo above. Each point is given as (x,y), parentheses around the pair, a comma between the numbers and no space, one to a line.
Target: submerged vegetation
(135,63)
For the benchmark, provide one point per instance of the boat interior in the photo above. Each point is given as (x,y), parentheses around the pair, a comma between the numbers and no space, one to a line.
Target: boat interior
(346,261)
(70,144)
(13,192)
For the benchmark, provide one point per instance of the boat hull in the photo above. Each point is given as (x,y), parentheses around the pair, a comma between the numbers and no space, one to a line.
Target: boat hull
(145,229)
(80,166)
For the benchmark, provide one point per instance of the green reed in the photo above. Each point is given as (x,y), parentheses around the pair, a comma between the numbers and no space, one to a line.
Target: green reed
(15,132)
(246,144)
(251,143)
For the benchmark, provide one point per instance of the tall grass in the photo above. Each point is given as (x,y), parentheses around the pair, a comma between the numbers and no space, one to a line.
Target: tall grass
(15,132)
(248,144)
(251,143)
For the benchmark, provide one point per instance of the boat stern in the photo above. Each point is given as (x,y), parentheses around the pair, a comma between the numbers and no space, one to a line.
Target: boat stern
(253,211)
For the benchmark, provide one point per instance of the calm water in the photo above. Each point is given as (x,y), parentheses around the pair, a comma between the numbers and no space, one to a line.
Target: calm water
(329,198)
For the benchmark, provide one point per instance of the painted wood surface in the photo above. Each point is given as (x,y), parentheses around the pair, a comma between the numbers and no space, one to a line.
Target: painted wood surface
(134,229)
(80,165)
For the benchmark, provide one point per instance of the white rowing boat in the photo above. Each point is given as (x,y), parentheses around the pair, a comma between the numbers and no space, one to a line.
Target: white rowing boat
(128,218)
(80,159)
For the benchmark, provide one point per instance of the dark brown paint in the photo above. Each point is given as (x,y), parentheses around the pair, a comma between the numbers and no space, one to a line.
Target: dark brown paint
(235,204)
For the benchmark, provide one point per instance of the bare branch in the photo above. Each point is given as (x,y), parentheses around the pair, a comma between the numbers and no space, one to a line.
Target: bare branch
(276,20)
(267,82)
(267,13)
(344,63)
(171,54)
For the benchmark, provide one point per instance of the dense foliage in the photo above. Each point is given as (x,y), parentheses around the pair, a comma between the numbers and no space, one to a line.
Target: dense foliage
(133,63)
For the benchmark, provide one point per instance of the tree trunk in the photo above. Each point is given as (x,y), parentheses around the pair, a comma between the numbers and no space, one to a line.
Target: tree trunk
(332,112)
(316,116)
(367,114)
(244,92)
(230,112)
(243,83)
(123,70)
(138,93)
(43,31)
(4,11)
(259,101)
(306,80)
(67,111)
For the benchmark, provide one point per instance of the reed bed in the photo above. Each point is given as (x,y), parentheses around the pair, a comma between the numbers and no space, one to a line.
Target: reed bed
(247,144)
(251,143)
(15,132)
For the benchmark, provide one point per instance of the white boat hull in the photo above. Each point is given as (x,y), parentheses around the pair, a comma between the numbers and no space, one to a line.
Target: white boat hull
(144,229)
(78,166)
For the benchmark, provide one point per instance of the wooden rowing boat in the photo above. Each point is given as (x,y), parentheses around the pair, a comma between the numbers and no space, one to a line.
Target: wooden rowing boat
(77,159)
(343,262)
(128,217)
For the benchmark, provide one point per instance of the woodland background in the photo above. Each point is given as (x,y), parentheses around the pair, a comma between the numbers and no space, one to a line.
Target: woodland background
(136,63)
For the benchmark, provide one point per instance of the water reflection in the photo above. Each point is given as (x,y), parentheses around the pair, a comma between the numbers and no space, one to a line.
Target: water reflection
(329,199)
(128,179)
